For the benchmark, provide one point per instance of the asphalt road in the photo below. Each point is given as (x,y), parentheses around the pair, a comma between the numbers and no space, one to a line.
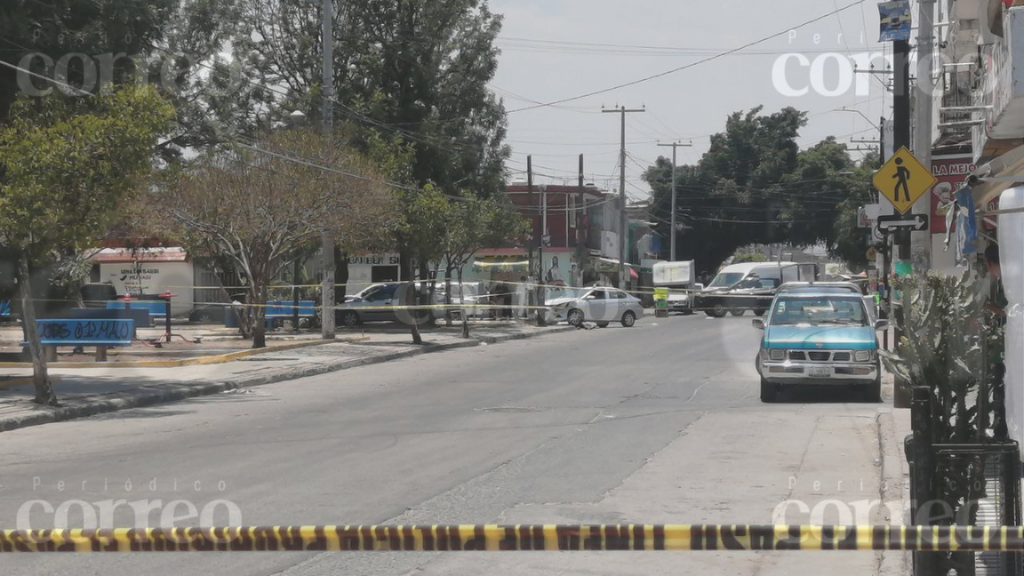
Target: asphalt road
(658,423)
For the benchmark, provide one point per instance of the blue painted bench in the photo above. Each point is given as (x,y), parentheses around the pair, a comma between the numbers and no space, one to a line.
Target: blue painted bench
(276,310)
(282,309)
(102,334)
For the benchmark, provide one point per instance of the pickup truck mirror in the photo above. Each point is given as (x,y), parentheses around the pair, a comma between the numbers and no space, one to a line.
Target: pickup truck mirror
(758,323)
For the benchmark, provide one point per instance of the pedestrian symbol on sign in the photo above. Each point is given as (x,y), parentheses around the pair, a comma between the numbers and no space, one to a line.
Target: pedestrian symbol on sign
(903,177)
(903,180)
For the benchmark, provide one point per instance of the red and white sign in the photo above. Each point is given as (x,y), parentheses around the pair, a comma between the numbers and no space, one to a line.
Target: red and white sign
(952,172)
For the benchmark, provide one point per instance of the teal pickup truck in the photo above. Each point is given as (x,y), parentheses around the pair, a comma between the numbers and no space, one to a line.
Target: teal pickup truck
(819,339)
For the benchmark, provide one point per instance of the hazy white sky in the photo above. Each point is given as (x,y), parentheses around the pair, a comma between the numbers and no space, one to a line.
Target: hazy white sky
(554,49)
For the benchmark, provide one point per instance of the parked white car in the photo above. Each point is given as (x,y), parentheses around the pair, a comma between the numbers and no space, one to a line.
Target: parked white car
(599,304)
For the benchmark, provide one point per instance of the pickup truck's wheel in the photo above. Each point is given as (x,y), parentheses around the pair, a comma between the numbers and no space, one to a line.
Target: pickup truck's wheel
(718,311)
(575,317)
(737,312)
(769,391)
(349,318)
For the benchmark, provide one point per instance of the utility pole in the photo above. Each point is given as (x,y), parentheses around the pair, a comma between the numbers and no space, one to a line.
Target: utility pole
(623,224)
(901,237)
(327,248)
(531,296)
(923,108)
(672,239)
(581,215)
(537,295)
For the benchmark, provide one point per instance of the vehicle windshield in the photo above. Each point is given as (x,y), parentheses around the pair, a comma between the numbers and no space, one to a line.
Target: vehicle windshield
(818,311)
(725,280)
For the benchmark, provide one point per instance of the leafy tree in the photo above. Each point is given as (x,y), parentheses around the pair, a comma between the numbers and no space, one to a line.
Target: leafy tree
(475,223)
(68,166)
(58,28)
(416,69)
(411,73)
(727,200)
(269,208)
(754,186)
(852,242)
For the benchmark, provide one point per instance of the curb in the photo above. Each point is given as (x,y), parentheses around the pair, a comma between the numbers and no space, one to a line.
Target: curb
(133,399)
(197,361)
(23,381)
(893,489)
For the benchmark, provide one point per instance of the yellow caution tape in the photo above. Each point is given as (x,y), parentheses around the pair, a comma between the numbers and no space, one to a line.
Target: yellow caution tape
(493,538)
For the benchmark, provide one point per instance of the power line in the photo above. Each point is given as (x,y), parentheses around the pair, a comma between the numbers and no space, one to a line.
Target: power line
(687,66)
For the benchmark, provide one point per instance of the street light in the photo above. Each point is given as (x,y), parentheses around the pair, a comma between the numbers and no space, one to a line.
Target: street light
(863,115)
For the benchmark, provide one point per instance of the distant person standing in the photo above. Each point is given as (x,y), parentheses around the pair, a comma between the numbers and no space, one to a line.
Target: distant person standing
(521,298)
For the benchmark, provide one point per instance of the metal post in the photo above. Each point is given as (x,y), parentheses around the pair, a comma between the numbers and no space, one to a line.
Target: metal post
(327,246)
(901,238)
(672,226)
(167,319)
(923,107)
(918,449)
(295,295)
(623,224)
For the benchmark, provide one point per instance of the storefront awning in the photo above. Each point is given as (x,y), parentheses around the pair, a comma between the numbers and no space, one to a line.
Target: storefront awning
(125,255)
(612,261)
(501,265)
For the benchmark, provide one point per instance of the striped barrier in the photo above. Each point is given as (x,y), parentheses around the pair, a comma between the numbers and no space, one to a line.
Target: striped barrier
(493,538)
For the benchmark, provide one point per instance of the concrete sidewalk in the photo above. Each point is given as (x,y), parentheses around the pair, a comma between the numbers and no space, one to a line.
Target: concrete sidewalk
(93,390)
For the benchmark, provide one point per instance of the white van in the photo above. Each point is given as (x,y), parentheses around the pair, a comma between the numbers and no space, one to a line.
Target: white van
(731,276)
(750,286)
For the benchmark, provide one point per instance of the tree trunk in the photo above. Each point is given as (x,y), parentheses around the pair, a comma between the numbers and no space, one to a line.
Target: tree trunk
(425,297)
(40,375)
(462,307)
(448,296)
(259,315)
(405,260)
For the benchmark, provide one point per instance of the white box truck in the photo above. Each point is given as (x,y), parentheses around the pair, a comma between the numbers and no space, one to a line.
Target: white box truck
(680,279)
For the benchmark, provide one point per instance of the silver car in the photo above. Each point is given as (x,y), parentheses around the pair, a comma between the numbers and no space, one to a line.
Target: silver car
(601,305)
(375,303)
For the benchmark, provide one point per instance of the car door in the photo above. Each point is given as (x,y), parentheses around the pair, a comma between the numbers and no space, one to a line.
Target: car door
(377,304)
(590,303)
(616,305)
(602,306)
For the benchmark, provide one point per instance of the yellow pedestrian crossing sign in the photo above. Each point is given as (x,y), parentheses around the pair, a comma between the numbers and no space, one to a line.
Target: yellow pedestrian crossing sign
(903,180)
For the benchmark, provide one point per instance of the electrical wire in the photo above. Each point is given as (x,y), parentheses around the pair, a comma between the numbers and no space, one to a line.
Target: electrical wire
(686,66)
